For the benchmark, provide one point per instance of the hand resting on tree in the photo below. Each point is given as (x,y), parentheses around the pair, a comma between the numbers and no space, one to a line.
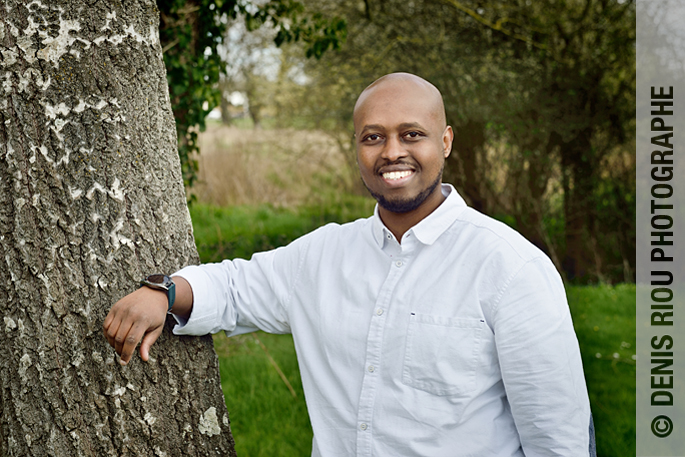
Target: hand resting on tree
(141,315)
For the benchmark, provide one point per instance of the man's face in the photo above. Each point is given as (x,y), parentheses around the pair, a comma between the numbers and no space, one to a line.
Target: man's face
(402,143)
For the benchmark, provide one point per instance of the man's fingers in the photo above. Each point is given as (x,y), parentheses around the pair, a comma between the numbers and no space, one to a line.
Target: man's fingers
(130,341)
(108,321)
(122,334)
(138,314)
(111,331)
(112,323)
(148,341)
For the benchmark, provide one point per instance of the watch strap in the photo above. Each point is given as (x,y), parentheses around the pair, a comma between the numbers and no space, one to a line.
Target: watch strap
(171,295)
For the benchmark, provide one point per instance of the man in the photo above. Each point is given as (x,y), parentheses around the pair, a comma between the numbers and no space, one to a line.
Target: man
(428,329)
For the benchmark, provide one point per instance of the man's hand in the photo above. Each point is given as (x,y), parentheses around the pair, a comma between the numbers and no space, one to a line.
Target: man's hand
(139,315)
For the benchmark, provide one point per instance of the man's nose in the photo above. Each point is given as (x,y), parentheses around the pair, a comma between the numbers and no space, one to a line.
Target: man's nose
(394,149)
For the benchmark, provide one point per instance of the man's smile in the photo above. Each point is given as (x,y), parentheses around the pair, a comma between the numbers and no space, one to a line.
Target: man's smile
(394,175)
(397,178)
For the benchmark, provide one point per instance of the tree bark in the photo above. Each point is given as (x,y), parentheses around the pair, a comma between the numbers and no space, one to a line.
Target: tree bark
(535,177)
(464,164)
(226,118)
(578,166)
(92,200)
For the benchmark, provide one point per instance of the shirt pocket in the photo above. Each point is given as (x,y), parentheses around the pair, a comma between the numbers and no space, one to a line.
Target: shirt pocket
(442,353)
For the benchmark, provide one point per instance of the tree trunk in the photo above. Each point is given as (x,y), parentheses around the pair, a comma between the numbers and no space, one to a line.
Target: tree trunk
(578,169)
(463,164)
(530,210)
(92,201)
(225,110)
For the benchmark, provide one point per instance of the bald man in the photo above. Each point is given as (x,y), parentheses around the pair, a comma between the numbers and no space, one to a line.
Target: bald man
(427,329)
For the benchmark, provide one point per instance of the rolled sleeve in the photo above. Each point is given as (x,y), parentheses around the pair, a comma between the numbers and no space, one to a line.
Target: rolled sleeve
(211,311)
(240,296)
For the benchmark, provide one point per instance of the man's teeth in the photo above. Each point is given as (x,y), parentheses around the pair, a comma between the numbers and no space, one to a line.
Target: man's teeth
(392,175)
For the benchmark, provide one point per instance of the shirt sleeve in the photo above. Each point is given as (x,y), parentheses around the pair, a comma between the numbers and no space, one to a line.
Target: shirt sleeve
(240,296)
(541,365)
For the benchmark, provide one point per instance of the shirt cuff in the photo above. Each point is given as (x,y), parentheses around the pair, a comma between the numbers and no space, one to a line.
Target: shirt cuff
(204,316)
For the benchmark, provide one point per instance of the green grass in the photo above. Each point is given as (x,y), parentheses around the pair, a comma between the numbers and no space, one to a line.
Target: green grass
(268,421)
(604,319)
(240,231)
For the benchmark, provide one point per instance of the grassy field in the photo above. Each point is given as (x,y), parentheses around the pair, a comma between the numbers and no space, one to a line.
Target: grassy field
(239,231)
(266,404)
(284,168)
(604,318)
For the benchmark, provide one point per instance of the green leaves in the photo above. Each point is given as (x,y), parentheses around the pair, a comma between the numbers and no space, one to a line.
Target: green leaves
(191,31)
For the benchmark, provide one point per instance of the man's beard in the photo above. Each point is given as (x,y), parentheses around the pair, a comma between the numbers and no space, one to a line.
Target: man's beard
(409,204)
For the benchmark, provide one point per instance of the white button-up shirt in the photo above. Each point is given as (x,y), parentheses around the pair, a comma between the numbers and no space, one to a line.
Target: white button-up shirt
(456,342)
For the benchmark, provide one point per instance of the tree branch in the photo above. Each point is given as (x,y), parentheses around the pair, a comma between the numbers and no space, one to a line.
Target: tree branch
(496,26)
(170,45)
(275,365)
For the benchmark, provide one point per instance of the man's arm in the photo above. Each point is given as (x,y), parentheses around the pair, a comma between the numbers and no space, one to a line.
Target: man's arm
(541,365)
(141,315)
(235,296)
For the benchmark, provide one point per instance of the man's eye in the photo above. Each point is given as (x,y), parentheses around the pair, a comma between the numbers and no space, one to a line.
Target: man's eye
(372,137)
(413,134)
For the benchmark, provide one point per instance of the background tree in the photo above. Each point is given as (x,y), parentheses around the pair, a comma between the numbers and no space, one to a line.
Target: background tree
(252,60)
(541,97)
(93,200)
(191,32)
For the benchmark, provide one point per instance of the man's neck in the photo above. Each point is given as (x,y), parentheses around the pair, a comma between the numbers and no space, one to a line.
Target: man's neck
(399,223)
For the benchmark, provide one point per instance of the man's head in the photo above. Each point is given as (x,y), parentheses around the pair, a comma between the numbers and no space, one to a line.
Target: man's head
(402,141)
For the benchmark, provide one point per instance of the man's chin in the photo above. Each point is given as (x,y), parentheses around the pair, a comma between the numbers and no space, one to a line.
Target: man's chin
(405,205)
(400,206)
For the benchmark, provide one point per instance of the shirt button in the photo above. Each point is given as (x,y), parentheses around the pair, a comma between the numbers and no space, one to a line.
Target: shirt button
(379,311)
(372,368)
(398,263)
(363,426)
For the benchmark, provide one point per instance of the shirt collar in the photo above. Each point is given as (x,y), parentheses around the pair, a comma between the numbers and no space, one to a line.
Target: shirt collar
(432,226)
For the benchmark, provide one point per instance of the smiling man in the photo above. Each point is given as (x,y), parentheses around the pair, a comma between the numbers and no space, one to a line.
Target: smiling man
(402,142)
(427,329)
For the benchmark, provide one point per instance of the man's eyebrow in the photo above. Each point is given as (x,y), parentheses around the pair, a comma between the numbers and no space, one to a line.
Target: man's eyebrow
(371,127)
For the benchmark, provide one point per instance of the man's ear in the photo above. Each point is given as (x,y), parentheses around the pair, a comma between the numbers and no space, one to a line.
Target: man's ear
(447,138)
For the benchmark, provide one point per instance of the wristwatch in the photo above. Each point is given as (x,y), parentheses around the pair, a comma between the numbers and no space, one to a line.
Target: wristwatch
(163,283)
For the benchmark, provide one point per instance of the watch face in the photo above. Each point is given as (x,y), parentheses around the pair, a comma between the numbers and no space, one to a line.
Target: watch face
(161,282)
(156,279)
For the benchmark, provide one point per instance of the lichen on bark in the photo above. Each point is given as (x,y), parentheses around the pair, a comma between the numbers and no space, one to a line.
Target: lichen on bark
(92,200)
